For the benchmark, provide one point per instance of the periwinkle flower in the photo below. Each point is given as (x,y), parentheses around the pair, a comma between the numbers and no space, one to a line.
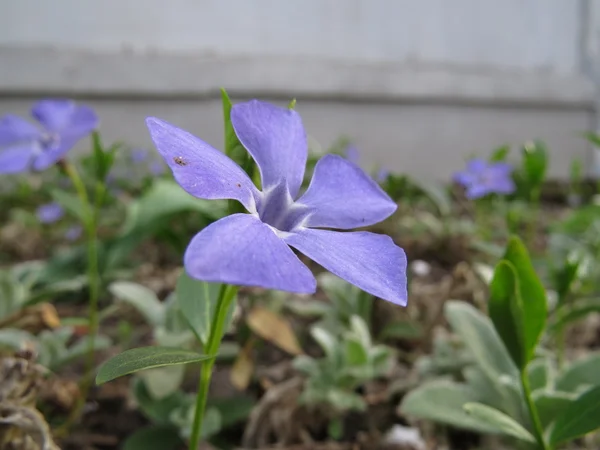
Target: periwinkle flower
(254,249)
(73,233)
(352,154)
(24,146)
(50,213)
(139,155)
(482,178)
(157,168)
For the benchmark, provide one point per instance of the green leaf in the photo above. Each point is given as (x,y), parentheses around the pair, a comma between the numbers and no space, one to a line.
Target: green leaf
(533,295)
(564,279)
(356,354)
(198,302)
(580,375)
(497,419)
(550,404)
(401,330)
(157,410)
(164,199)
(144,300)
(443,401)
(535,163)
(144,358)
(539,372)
(500,154)
(593,138)
(580,417)
(506,312)
(71,203)
(292,104)
(479,336)
(575,312)
(153,437)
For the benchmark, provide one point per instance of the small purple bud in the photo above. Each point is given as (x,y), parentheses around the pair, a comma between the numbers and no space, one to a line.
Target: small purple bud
(352,154)
(157,168)
(139,155)
(50,213)
(73,233)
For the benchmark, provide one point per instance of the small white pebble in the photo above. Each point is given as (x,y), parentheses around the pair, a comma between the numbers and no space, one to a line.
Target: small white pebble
(421,268)
(408,436)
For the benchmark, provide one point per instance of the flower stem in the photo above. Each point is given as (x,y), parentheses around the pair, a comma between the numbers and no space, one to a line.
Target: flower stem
(90,220)
(226,296)
(535,418)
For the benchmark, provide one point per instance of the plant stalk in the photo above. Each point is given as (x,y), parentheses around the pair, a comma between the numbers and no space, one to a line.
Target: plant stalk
(226,296)
(533,413)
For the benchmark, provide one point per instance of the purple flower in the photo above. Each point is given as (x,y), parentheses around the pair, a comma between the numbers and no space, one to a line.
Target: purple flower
(382,175)
(24,146)
(139,155)
(50,213)
(157,168)
(73,233)
(352,154)
(254,249)
(482,178)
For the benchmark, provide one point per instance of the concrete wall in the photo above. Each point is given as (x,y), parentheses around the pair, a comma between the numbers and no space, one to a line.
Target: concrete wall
(417,85)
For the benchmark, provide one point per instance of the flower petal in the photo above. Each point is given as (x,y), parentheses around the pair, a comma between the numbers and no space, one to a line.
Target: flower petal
(17,158)
(341,195)
(477,165)
(240,249)
(276,140)
(14,129)
(49,157)
(50,212)
(201,170)
(65,116)
(368,260)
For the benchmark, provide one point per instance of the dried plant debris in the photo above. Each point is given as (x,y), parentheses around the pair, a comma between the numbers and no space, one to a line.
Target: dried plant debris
(22,426)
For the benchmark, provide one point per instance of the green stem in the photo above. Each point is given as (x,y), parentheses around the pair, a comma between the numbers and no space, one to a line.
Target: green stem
(226,296)
(90,220)
(535,418)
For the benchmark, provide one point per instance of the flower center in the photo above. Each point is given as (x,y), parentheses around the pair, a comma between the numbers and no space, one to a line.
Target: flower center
(277,209)
(49,141)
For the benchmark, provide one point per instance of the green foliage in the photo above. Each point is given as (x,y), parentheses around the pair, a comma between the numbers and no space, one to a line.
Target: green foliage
(198,302)
(144,358)
(350,360)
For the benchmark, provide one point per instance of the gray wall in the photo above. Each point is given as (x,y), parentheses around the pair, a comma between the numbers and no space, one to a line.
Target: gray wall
(418,85)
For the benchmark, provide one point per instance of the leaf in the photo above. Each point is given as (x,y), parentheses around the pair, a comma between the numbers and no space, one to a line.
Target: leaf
(532,292)
(506,312)
(143,299)
(71,203)
(198,302)
(273,328)
(535,163)
(593,138)
(575,312)
(144,358)
(243,367)
(499,420)
(580,417)
(565,277)
(157,410)
(162,200)
(479,336)
(356,354)
(163,381)
(550,404)
(153,437)
(500,154)
(580,374)
(401,330)
(539,372)
(443,401)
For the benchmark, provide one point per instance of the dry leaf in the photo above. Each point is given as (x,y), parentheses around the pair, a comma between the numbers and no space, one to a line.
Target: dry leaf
(243,367)
(273,328)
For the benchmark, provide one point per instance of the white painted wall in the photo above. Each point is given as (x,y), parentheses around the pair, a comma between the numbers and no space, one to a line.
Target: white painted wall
(521,34)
